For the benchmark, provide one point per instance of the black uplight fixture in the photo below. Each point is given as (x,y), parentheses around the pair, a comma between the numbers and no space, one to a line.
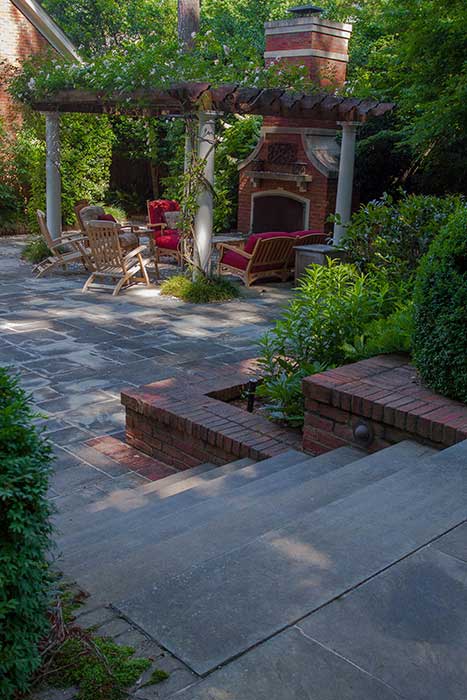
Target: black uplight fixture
(251,395)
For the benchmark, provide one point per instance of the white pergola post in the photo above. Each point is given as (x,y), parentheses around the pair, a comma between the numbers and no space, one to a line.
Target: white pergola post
(52,174)
(204,217)
(346,177)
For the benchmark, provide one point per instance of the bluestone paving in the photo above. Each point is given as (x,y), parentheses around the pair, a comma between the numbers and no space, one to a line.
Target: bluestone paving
(392,625)
(290,667)
(407,627)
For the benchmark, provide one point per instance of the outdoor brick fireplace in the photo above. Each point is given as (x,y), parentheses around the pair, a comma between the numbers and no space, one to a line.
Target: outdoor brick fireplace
(289,182)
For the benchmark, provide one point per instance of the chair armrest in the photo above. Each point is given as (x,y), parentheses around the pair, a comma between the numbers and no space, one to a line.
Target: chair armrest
(235,249)
(161,226)
(65,240)
(135,251)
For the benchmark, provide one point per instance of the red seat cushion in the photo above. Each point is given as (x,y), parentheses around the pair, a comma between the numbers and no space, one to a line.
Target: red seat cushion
(170,240)
(240,263)
(234,260)
(107,217)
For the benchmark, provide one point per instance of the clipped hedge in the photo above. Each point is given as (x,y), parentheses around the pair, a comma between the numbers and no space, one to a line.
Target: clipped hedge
(25,463)
(440,337)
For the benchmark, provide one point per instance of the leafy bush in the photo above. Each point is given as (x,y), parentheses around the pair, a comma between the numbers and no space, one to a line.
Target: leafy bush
(333,305)
(396,234)
(384,335)
(200,291)
(440,338)
(35,250)
(25,459)
(101,668)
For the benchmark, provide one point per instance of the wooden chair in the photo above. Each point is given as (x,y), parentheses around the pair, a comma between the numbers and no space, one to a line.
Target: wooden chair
(68,248)
(111,260)
(270,258)
(310,239)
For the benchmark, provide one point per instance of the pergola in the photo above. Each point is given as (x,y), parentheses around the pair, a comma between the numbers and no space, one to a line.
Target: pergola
(204,102)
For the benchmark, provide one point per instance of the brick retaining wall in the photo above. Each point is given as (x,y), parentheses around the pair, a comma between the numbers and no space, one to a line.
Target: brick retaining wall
(383,394)
(185,421)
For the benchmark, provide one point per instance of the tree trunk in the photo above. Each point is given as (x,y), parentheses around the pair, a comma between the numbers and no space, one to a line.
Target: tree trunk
(188,21)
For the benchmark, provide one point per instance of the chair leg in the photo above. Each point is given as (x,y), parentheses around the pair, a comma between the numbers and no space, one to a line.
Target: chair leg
(88,282)
(156,263)
(119,286)
(144,272)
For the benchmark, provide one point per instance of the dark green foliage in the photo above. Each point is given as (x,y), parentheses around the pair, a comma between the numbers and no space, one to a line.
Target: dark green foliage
(384,335)
(440,337)
(394,234)
(100,668)
(25,459)
(156,677)
(203,290)
(333,305)
(35,250)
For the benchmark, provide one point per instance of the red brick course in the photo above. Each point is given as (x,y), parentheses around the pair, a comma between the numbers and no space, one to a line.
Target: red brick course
(185,421)
(384,393)
(20,40)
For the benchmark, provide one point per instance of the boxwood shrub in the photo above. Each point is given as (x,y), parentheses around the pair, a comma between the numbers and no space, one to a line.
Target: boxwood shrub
(25,462)
(440,337)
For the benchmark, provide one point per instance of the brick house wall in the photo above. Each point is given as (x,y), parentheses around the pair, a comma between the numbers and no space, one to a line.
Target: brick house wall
(20,40)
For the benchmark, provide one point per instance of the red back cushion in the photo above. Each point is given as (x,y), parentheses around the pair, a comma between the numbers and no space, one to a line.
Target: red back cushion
(107,217)
(158,207)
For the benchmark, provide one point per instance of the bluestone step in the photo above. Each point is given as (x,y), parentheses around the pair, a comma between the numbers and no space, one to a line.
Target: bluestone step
(224,606)
(127,503)
(209,527)
(223,524)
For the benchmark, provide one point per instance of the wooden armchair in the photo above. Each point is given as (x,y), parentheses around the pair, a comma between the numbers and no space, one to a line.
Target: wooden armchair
(69,248)
(310,239)
(86,213)
(270,258)
(111,260)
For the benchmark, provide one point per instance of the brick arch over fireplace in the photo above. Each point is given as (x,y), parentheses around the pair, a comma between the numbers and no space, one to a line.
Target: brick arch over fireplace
(276,210)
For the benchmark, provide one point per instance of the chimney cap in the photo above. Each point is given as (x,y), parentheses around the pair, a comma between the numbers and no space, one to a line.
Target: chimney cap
(304,10)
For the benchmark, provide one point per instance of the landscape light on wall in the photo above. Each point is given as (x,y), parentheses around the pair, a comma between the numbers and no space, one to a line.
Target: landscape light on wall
(251,394)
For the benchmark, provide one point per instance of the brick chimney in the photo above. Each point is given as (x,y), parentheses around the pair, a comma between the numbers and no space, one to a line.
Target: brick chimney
(289,182)
(306,39)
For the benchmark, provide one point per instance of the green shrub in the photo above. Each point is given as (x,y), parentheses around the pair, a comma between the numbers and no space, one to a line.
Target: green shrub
(201,291)
(117,211)
(332,306)
(440,338)
(384,335)
(396,234)
(25,459)
(35,250)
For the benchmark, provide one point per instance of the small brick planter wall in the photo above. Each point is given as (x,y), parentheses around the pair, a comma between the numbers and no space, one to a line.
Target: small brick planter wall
(381,393)
(185,421)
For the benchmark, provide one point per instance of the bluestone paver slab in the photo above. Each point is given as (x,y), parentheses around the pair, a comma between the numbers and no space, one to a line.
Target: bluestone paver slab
(407,627)
(454,543)
(226,605)
(290,667)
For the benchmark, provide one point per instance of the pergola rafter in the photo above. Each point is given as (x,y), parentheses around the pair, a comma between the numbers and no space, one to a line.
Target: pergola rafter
(186,98)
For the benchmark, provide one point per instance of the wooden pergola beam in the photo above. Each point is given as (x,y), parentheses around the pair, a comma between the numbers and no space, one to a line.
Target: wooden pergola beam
(188,98)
